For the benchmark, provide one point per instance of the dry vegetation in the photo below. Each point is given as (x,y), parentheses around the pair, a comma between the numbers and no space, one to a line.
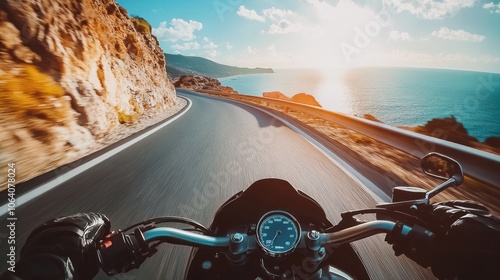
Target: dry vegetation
(30,93)
(396,166)
(141,25)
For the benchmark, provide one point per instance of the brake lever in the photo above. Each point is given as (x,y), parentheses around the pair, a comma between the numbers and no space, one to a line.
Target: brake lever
(347,221)
(401,204)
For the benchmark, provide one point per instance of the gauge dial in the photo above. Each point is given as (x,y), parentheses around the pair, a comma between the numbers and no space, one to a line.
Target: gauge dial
(278,233)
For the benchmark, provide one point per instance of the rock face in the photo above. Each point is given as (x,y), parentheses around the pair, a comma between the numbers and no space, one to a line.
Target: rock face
(201,83)
(71,72)
(448,129)
(303,98)
(371,118)
(275,94)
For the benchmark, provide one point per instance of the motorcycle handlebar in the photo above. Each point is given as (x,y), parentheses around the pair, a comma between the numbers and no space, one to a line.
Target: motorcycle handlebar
(362,231)
(179,236)
(121,252)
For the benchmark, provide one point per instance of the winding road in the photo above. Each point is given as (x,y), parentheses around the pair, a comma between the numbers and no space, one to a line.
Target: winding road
(173,172)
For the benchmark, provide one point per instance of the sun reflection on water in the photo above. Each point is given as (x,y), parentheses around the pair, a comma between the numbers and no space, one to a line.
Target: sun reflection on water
(333,93)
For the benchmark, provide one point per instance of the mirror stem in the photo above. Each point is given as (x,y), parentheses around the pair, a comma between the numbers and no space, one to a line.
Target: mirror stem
(455,180)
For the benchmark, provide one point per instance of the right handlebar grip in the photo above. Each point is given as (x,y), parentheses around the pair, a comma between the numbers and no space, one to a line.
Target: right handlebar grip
(120,253)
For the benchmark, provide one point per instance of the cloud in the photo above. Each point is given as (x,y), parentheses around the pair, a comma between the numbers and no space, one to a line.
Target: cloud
(283,26)
(271,50)
(179,29)
(249,50)
(400,36)
(209,44)
(249,14)
(457,35)
(229,46)
(186,46)
(277,14)
(430,9)
(281,20)
(211,53)
(492,7)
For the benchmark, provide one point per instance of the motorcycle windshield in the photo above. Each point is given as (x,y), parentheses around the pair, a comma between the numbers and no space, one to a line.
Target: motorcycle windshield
(246,207)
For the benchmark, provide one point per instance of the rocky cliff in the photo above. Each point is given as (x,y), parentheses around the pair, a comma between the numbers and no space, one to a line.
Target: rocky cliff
(71,72)
(303,98)
(201,83)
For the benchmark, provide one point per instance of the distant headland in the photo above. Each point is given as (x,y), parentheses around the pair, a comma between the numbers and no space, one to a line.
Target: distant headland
(180,65)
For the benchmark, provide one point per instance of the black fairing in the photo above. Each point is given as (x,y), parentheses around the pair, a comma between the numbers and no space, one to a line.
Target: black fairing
(241,213)
(265,195)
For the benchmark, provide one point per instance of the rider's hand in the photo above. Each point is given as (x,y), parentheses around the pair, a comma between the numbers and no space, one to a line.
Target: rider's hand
(64,248)
(468,246)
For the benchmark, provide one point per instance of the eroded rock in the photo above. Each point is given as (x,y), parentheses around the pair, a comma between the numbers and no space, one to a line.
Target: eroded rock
(70,73)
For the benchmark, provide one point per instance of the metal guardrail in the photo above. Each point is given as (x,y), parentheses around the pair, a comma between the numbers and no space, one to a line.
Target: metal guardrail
(477,164)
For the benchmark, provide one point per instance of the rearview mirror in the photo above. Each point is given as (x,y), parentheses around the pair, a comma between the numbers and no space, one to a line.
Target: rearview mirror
(440,166)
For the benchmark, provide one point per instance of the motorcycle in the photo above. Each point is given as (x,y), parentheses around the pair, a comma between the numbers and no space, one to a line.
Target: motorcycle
(273,231)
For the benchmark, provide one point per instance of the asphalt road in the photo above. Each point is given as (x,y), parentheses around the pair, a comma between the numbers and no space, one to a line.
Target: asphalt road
(168,173)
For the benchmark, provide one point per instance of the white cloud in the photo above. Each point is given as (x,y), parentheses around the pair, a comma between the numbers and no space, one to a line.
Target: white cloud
(211,53)
(400,36)
(186,46)
(277,14)
(281,20)
(209,44)
(457,35)
(229,46)
(249,14)
(283,26)
(179,29)
(492,7)
(249,50)
(432,9)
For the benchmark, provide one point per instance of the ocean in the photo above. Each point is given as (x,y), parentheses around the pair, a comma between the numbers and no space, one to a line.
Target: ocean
(396,96)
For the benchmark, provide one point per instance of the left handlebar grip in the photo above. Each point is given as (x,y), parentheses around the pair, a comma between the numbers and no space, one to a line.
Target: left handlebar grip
(119,252)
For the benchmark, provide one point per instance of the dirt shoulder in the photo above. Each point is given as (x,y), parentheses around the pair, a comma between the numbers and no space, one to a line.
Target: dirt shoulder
(386,166)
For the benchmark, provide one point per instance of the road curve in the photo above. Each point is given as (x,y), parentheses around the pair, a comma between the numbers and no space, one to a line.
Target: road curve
(172,172)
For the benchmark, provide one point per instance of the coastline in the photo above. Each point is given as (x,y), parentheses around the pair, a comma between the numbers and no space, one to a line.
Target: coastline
(399,96)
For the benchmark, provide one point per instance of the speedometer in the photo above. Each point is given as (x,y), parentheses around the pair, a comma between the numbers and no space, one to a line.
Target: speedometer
(278,233)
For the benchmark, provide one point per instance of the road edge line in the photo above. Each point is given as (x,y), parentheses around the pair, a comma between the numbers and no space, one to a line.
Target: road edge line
(371,189)
(74,172)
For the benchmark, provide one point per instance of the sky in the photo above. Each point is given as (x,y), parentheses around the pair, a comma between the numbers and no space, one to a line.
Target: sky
(324,34)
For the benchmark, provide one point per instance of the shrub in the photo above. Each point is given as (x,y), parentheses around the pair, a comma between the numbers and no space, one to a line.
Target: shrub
(141,25)
(32,94)
(448,129)
(124,117)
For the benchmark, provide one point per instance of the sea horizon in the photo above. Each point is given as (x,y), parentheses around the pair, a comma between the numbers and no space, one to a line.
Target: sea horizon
(400,96)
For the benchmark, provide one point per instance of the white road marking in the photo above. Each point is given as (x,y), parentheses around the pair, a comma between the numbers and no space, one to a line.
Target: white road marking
(375,192)
(74,172)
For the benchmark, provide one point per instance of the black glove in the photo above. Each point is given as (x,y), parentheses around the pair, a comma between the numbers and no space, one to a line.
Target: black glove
(64,248)
(466,244)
